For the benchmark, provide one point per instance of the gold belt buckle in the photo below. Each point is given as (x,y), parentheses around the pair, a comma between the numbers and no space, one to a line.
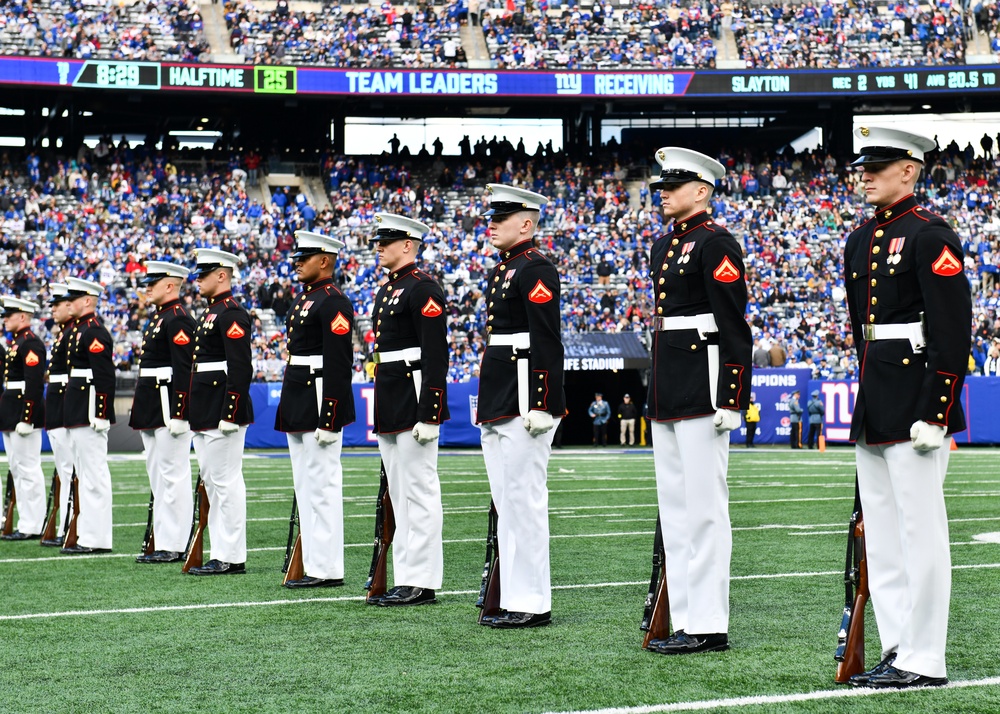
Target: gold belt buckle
(868,330)
(376,358)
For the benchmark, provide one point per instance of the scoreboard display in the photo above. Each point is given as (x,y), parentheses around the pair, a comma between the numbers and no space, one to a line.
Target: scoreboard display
(321,81)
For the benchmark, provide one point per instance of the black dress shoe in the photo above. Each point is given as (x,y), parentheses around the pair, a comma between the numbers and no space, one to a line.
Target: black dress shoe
(161,556)
(83,550)
(307,581)
(682,643)
(18,535)
(217,567)
(861,680)
(892,678)
(53,542)
(508,620)
(407,595)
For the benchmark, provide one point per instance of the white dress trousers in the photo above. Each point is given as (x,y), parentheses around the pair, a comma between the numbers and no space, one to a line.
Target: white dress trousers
(517,467)
(90,458)
(319,490)
(24,455)
(168,463)
(62,454)
(417,548)
(691,460)
(220,460)
(908,551)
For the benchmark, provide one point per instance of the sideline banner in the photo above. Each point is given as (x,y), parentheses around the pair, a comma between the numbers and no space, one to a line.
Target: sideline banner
(772,387)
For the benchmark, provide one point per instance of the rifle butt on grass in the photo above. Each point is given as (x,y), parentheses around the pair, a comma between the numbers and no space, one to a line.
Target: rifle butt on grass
(72,513)
(51,523)
(850,653)
(489,591)
(194,554)
(148,539)
(656,611)
(385,529)
(292,567)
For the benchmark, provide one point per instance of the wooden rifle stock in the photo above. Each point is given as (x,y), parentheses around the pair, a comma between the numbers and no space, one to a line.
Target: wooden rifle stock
(195,552)
(72,513)
(9,501)
(385,529)
(656,612)
(52,511)
(489,590)
(850,653)
(148,540)
(293,568)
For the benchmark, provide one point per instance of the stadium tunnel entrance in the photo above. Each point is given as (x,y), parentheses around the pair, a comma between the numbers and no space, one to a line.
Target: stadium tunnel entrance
(613,384)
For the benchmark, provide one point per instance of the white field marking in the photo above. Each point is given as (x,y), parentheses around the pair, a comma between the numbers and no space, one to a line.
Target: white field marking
(591,515)
(761,699)
(993,537)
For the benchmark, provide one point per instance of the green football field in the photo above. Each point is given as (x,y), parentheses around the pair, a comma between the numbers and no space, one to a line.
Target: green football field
(104,634)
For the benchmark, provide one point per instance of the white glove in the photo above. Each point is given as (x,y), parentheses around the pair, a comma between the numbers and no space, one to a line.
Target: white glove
(425,433)
(927,437)
(228,428)
(726,420)
(178,427)
(23,428)
(325,438)
(537,423)
(101,425)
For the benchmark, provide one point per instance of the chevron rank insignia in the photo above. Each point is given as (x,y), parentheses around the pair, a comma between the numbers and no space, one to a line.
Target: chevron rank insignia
(96,346)
(235,332)
(340,325)
(726,272)
(181,338)
(540,293)
(431,308)
(31,359)
(946,264)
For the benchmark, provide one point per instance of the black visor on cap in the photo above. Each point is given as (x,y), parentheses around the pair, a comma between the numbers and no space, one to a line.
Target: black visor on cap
(387,234)
(152,278)
(882,155)
(676,177)
(305,253)
(206,268)
(56,299)
(505,208)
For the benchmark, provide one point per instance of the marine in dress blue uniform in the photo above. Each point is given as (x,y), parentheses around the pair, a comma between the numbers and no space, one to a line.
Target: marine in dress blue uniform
(55,393)
(221,410)
(521,402)
(88,413)
(411,403)
(22,416)
(160,409)
(911,314)
(699,384)
(317,402)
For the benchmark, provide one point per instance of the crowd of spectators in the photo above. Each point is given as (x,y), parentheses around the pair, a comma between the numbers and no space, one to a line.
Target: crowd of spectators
(348,36)
(648,35)
(154,30)
(96,215)
(826,34)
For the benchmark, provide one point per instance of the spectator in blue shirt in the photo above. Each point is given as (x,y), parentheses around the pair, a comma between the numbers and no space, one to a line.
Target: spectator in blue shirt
(600,412)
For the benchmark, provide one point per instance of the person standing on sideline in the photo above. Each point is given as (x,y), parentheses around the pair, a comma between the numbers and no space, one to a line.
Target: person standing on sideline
(816,410)
(795,420)
(221,410)
(22,416)
(627,414)
(88,413)
(160,409)
(62,450)
(411,403)
(600,412)
(910,307)
(700,382)
(752,419)
(317,402)
(521,402)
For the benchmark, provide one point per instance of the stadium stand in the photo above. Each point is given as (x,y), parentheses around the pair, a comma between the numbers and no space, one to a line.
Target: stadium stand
(156,30)
(98,217)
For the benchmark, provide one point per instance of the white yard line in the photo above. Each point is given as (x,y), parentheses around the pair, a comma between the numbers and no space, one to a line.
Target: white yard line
(760,700)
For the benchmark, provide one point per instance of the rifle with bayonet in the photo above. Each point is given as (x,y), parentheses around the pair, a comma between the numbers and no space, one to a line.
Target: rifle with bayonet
(656,612)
